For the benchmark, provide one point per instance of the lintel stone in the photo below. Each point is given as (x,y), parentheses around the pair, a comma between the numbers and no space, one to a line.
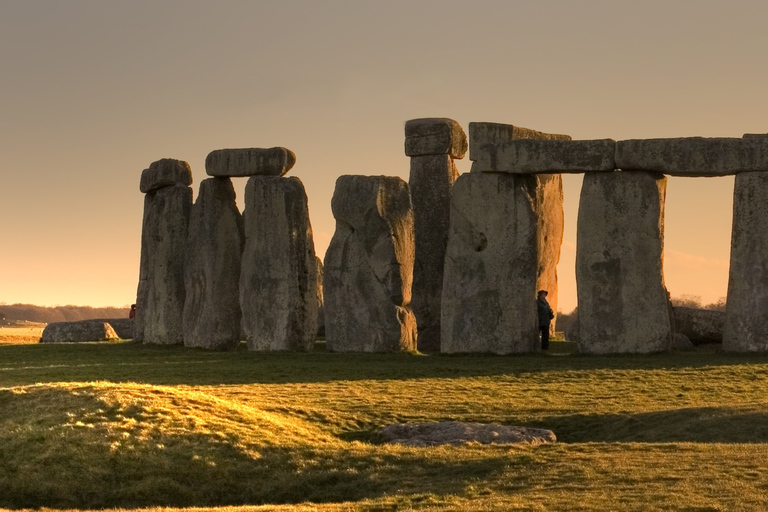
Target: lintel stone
(435,136)
(694,156)
(483,134)
(530,156)
(249,162)
(165,173)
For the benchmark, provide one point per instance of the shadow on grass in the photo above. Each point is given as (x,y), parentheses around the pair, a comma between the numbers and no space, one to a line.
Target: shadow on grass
(63,448)
(695,425)
(129,362)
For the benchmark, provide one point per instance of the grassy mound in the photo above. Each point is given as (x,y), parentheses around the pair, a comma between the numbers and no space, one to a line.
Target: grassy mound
(104,444)
(123,425)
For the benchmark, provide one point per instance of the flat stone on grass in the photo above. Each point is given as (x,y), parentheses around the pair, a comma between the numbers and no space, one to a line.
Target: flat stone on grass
(458,433)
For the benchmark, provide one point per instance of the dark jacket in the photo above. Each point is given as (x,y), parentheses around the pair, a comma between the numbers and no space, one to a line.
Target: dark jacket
(545,312)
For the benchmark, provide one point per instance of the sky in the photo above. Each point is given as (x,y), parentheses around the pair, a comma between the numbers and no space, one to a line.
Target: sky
(92,92)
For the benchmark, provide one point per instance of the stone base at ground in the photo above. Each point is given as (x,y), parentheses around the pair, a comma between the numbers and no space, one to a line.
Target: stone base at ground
(457,433)
(700,325)
(84,330)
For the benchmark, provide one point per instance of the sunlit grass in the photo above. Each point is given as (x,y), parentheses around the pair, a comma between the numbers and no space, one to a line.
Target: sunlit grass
(121,425)
(14,335)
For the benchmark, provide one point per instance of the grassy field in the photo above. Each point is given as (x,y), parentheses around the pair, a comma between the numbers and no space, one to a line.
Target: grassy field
(28,332)
(126,426)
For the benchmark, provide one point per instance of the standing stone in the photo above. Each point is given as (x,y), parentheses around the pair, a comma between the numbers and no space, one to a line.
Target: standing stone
(369,267)
(278,283)
(160,296)
(489,285)
(432,144)
(746,310)
(212,273)
(619,273)
(549,199)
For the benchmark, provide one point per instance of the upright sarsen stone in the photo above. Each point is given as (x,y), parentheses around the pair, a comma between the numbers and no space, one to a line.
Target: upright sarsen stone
(489,284)
(619,274)
(484,137)
(212,273)
(278,283)
(746,311)
(160,296)
(369,267)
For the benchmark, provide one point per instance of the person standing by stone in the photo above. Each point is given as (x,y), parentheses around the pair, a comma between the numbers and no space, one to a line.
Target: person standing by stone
(545,317)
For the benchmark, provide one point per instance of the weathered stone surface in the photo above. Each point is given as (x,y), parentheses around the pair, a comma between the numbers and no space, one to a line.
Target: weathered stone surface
(435,136)
(84,330)
(278,282)
(320,299)
(681,342)
(249,162)
(212,271)
(123,327)
(551,222)
(160,296)
(700,325)
(491,266)
(484,134)
(694,156)
(530,156)
(165,173)
(746,316)
(549,199)
(430,183)
(619,275)
(369,267)
(458,433)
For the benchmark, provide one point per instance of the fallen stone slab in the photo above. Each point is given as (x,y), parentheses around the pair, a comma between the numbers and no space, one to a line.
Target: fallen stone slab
(73,332)
(122,326)
(694,156)
(700,325)
(458,433)
(530,156)
(435,136)
(484,134)
(165,173)
(249,162)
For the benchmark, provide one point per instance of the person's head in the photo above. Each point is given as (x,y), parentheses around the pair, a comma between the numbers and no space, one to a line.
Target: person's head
(542,294)
(133,306)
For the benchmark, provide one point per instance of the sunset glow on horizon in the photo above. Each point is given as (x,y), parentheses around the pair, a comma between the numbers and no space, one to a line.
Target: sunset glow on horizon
(93,92)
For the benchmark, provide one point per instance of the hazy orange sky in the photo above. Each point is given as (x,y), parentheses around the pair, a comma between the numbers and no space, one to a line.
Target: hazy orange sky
(94,91)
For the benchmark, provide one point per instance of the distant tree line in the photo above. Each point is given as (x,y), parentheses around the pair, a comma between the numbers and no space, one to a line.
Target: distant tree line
(32,313)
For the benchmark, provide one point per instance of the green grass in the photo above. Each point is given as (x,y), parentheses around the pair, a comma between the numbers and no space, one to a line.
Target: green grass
(127,426)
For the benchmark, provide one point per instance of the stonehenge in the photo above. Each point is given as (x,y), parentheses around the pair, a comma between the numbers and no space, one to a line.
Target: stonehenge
(491,266)
(746,322)
(278,283)
(368,268)
(212,272)
(160,295)
(432,144)
(623,304)
(445,262)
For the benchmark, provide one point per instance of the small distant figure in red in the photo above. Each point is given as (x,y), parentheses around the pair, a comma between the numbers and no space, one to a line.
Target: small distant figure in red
(132,312)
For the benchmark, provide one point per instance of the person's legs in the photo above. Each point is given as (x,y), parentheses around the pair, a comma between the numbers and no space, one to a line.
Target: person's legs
(544,336)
